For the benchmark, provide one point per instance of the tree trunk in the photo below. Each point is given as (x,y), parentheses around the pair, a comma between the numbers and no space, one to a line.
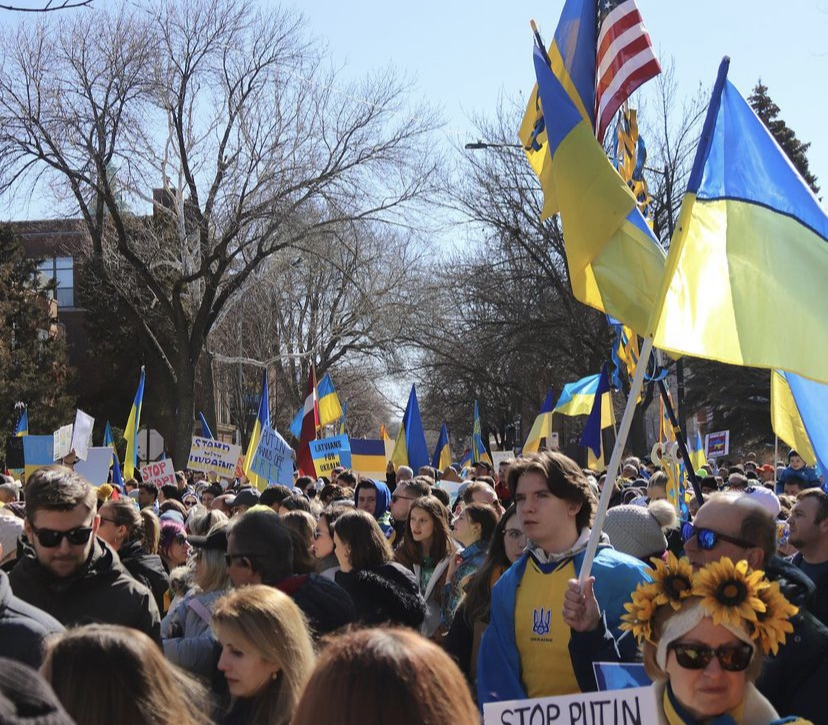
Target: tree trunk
(184,410)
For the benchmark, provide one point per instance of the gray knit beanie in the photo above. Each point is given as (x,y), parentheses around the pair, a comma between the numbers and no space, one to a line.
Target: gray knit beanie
(638,530)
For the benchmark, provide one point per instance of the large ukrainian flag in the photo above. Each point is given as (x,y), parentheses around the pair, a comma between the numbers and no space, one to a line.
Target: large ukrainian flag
(615,263)
(410,446)
(745,279)
(786,420)
(131,430)
(812,404)
(577,398)
(442,452)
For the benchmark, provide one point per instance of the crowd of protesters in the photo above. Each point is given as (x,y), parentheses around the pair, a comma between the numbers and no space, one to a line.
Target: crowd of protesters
(348,599)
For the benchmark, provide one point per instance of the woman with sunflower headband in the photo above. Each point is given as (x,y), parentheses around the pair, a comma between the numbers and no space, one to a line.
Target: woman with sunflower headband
(703,637)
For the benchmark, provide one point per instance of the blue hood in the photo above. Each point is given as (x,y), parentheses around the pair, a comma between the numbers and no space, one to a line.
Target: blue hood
(383,495)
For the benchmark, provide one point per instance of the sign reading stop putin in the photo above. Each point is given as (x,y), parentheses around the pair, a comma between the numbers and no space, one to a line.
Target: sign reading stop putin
(159,473)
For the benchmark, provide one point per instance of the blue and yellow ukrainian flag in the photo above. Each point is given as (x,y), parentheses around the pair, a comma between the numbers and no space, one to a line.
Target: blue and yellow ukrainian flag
(542,427)
(479,452)
(599,418)
(615,263)
(750,252)
(21,428)
(131,429)
(410,446)
(368,457)
(572,55)
(697,459)
(578,398)
(205,428)
(442,451)
(812,403)
(262,420)
(109,440)
(330,411)
(786,421)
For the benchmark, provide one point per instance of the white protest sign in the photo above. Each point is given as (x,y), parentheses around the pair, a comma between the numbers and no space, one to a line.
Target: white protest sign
(95,467)
(499,456)
(450,487)
(62,442)
(82,434)
(273,460)
(717,444)
(634,706)
(207,454)
(158,472)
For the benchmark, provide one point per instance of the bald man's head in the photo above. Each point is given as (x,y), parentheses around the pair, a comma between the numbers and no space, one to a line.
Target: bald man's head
(749,526)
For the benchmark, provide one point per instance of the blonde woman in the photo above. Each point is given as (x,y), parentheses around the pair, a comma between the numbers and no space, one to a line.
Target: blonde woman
(185,631)
(266,654)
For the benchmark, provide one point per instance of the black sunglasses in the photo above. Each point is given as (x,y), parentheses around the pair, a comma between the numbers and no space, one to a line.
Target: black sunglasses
(708,539)
(732,658)
(51,538)
(228,558)
(396,497)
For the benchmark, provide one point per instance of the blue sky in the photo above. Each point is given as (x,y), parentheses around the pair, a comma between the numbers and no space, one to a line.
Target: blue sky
(464,55)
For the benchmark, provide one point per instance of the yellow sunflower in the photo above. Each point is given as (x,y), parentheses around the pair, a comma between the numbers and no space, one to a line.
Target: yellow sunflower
(773,624)
(640,611)
(730,592)
(674,580)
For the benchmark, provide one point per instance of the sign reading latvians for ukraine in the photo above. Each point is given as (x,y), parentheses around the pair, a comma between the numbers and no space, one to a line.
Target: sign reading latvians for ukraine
(274,458)
(329,453)
(208,454)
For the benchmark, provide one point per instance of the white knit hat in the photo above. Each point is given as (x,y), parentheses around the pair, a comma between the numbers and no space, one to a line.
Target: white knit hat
(634,530)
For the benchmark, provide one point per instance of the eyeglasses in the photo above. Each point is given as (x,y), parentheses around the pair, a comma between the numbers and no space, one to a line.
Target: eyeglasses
(181,539)
(515,535)
(189,503)
(228,558)
(732,658)
(109,521)
(707,539)
(395,497)
(50,538)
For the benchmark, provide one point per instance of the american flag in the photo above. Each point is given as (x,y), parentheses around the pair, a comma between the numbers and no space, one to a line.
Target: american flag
(625,59)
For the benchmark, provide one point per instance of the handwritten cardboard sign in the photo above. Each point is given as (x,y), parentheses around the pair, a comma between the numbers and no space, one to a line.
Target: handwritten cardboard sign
(329,453)
(208,454)
(634,706)
(159,472)
(273,460)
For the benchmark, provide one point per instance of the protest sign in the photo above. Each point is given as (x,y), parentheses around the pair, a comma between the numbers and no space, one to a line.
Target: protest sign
(329,453)
(158,472)
(717,444)
(634,706)
(62,442)
(95,467)
(273,460)
(368,457)
(208,454)
(81,434)
(499,456)
(450,487)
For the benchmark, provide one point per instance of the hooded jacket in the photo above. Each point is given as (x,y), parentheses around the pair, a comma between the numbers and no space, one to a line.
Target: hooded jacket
(381,513)
(100,591)
(388,593)
(794,679)
(147,569)
(498,665)
(187,637)
(23,627)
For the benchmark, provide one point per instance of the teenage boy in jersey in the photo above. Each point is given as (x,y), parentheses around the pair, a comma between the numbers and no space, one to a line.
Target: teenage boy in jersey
(525,651)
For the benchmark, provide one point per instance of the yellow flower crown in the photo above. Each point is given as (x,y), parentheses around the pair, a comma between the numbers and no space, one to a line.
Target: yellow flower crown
(733,594)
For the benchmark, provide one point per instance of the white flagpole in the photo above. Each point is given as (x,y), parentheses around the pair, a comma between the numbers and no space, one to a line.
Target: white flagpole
(615,460)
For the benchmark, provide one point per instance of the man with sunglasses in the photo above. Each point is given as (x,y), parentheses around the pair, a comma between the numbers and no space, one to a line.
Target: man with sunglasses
(740,527)
(66,570)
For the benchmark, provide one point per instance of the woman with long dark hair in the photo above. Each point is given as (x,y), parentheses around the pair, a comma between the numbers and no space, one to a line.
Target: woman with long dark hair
(427,549)
(472,617)
(382,590)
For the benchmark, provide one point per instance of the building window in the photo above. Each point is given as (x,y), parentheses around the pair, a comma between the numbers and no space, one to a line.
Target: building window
(61,270)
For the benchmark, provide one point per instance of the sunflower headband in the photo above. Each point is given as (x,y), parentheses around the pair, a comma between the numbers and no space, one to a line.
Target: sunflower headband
(733,595)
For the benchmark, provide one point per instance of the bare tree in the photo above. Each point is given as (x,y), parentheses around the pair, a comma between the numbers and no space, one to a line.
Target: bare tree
(48,6)
(228,111)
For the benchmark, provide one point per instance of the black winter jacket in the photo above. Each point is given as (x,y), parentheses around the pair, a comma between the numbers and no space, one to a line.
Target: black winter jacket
(389,593)
(147,569)
(795,679)
(326,605)
(101,591)
(23,627)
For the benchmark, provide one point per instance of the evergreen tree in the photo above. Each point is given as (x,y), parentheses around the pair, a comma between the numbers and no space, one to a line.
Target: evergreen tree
(33,362)
(796,151)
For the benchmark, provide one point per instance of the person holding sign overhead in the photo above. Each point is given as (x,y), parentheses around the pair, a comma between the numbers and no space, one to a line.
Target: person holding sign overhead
(704,634)
(525,651)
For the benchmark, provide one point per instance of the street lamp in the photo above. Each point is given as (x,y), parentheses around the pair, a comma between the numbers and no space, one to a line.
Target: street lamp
(481,145)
